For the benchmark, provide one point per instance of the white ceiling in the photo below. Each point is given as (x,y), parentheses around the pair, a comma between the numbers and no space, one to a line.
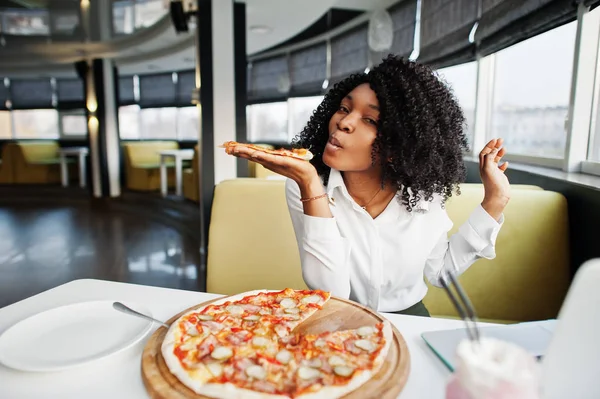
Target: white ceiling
(285,18)
(159,48)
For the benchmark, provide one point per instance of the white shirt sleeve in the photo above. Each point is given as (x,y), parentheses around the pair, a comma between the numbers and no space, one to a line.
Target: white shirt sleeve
(324,253)
(475,239)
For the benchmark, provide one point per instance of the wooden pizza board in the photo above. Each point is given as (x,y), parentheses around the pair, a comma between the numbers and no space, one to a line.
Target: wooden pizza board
(337,314)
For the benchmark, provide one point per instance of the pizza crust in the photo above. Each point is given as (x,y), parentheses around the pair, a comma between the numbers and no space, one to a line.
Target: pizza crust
(230,391)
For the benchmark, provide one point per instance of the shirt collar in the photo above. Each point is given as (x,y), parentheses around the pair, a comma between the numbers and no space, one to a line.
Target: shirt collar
(336,180)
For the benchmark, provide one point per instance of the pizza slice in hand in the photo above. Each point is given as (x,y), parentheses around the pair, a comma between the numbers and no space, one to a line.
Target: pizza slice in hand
(298,153)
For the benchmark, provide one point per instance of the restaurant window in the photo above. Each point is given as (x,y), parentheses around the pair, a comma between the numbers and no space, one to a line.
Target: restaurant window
(148,12)
(73,124)
(5,125)
(531,93)
(26,22)
(36,124)
(188,123)
(594,148)
(158,123)
(268,122)
(123,17)
(301,109)
(129,122)
(462,79)
(594,141)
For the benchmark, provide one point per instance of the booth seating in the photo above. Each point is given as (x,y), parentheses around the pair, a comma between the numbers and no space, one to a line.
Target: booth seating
(37,163)
(7,164)
(251,245)
(191,179)
(142,164)
(258,171)
(32,162)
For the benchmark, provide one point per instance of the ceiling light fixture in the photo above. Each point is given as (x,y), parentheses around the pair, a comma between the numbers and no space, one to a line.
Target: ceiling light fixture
(261,29)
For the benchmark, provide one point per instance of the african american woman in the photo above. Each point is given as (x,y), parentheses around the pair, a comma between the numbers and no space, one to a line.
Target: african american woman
(368,209)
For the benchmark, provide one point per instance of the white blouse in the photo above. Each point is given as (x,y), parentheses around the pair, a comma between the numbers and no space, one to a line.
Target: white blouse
(380,262)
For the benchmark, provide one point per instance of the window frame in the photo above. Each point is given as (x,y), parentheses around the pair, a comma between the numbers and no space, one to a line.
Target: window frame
(579,132)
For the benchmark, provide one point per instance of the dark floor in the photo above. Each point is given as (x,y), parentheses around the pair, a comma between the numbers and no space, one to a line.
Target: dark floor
(41,248)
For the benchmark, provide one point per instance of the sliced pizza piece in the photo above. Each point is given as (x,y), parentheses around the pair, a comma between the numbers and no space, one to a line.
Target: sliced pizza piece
(341,361)
(298,153)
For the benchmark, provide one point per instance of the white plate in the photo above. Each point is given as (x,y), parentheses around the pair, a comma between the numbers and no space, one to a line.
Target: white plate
(71,335)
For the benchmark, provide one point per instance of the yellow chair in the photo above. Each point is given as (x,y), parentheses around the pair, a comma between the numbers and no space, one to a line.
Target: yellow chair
(530,276)
(142,164)
(191,179)
(36,162)
(260,172)
(7,163)
(251,241)
(252,245)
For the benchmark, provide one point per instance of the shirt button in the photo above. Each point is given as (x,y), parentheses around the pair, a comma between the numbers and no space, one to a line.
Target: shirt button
(332,200)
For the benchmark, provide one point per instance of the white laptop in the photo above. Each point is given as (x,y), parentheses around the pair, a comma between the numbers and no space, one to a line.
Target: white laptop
(571,366)
(570,346)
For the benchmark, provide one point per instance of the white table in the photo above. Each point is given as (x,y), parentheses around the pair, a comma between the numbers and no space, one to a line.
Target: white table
(119,376)
(81,153)
(179,156)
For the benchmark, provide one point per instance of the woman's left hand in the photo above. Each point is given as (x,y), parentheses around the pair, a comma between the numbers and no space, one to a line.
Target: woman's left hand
(495,182)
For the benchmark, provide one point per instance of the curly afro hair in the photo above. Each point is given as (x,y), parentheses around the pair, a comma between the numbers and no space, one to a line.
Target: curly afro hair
(420,135)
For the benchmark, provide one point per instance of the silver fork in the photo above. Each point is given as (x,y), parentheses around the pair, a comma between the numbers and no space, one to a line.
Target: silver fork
(462,303)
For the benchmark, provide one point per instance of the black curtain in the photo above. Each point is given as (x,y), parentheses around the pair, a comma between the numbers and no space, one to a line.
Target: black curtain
(186,83)
(157,90)
(126,92)
(445,28)
(404,16)
(269,80)
(70,94)
(507,22)
(31,93)
(592,3)
(3,95)
(308,70)
(349,53)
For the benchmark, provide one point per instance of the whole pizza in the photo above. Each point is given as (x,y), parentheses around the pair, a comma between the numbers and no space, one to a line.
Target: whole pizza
(245,347)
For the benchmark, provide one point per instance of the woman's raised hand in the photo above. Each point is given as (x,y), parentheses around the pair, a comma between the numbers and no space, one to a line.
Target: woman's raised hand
(495,182)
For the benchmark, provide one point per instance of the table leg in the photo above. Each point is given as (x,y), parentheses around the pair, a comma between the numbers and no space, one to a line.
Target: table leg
(163,177)
(64,171)
(82,170)
(178,175)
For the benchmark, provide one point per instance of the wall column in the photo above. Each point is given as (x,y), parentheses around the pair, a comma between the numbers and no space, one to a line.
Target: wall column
(221,54)
(101,105)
